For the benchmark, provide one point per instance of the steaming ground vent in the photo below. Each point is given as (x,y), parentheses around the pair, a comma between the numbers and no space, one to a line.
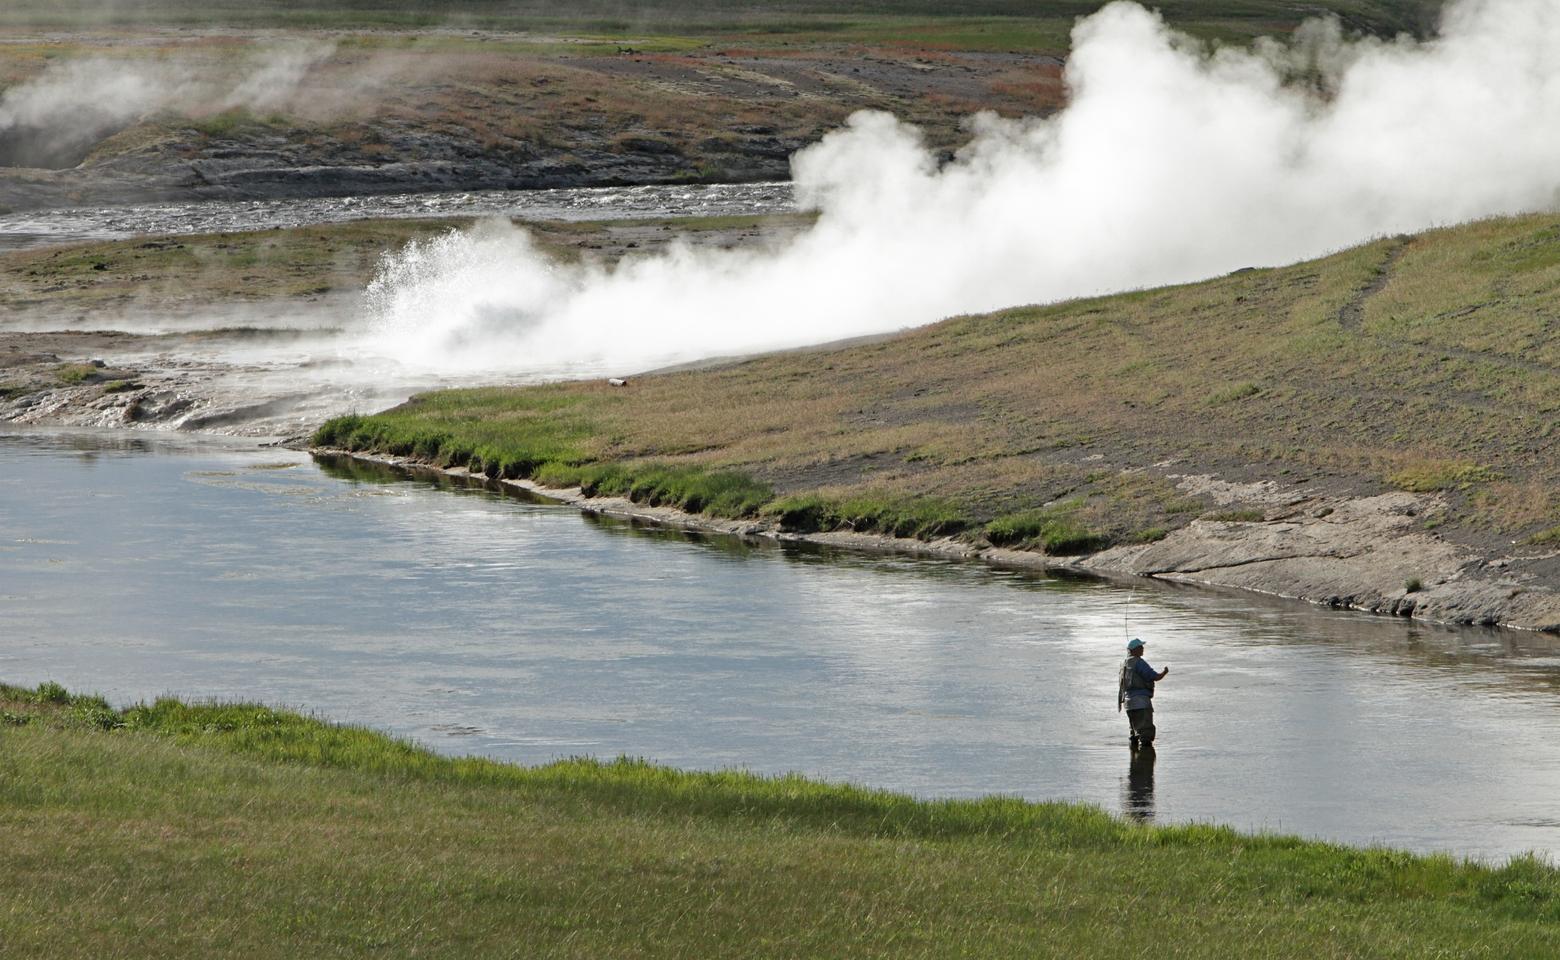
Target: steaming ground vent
(47,148)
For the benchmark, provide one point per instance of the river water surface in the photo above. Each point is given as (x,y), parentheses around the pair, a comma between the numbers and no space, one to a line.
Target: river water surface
(84,224)
(144,565)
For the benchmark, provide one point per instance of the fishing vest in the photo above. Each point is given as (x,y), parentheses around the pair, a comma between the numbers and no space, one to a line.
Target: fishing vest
(1131,681)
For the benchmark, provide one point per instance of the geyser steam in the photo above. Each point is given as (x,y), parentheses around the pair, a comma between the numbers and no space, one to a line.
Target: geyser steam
(54,119)
(1171,163)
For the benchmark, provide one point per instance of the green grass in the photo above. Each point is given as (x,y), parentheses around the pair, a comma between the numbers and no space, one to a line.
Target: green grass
(715,493)
(1547,537)
(1056,530)
(193,830)
(1432,477)
(230,122)
(1232,393)
(923,518)
(540,440)
(76,373)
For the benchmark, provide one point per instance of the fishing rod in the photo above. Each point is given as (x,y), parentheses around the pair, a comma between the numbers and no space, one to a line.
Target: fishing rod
(1126,614)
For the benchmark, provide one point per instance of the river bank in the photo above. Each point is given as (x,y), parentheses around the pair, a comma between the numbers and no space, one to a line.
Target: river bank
(1361,431)
(1351,553)
(1220,460)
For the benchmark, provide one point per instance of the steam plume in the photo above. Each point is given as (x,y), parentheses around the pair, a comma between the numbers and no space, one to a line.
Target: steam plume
(1171,163)
(54,119)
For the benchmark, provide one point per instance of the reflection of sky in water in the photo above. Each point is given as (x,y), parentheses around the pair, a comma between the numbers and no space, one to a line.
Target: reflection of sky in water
(479,624)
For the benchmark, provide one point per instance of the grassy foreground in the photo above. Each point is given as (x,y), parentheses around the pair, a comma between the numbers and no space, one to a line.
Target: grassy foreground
(227,830)
(1428,363)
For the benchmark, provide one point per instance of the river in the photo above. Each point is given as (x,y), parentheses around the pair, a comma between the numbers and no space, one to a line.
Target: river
(85,224)
(472,622)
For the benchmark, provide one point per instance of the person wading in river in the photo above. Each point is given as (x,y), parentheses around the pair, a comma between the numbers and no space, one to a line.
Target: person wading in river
(1136,693)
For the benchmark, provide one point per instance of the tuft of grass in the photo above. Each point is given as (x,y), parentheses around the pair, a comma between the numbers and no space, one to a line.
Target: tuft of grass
(1413,585)
(540,448)
(76,372)
(1250,515)
(920,518)
(50,692)
(693,489)
(1055,529)
(1232,393)
(1433,476)
(1545,537)
(229,122)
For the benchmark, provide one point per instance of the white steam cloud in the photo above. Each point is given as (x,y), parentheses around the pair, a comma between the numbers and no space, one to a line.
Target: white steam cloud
(54,118)
(1170,163)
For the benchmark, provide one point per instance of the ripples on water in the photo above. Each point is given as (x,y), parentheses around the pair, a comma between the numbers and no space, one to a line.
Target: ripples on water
(485,624)
(83,224)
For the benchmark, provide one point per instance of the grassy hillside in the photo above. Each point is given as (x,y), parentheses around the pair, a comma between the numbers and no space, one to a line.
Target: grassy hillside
(1429,363)
(240,830)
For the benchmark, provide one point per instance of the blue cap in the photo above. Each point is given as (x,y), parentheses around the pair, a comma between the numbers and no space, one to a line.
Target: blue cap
(1134,644)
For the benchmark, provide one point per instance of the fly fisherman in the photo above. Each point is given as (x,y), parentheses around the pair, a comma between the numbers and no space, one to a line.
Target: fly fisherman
(1136,693)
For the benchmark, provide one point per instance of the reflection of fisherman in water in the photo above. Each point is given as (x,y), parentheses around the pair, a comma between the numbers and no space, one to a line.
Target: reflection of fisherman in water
(1139,802)
(1135,691)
